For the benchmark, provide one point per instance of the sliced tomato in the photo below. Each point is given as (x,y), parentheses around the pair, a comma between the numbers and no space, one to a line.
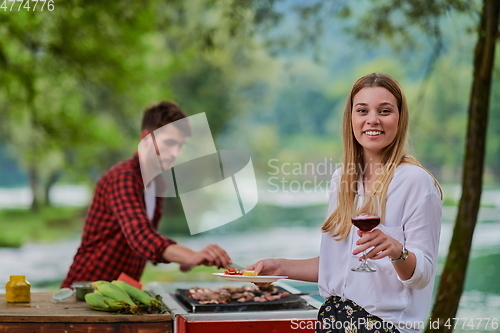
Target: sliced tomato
(232,271)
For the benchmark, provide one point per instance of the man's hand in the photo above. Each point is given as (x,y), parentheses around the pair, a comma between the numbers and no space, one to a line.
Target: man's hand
(211,255)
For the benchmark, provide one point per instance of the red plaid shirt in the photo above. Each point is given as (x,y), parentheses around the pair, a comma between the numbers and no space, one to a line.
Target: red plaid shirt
(118,235)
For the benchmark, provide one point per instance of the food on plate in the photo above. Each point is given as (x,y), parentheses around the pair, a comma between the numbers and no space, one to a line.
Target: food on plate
(232,271)
(226,295)
(249,273)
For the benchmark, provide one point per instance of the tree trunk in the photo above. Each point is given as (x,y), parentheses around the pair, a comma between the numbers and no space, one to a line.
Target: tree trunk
(453,277)
(34,185)
(52,179)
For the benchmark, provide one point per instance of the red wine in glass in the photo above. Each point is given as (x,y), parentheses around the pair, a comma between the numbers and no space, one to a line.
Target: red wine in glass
(365,216)
(366,223)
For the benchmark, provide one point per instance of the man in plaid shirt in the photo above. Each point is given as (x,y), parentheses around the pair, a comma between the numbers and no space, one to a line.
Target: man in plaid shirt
(120,232)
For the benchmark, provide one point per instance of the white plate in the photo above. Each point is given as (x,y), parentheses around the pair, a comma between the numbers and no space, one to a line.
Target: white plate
(256,279)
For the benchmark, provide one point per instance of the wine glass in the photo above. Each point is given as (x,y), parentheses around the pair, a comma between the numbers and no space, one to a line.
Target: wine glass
(366,216)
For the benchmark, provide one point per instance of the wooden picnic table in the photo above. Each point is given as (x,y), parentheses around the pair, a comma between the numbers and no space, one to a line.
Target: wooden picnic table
(42,315)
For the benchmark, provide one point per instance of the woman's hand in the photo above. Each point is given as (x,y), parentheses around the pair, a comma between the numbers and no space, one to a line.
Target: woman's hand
(295,269)
(273,267)
(383,245)
(386,246)
(268,267)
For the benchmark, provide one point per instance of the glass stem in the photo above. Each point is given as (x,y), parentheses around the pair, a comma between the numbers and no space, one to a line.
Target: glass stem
(363,262)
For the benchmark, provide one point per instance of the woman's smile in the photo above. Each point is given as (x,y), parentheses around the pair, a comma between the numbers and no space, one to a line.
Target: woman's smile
(375,118)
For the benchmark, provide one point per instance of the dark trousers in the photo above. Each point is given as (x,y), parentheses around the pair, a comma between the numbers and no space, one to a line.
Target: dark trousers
(340,315)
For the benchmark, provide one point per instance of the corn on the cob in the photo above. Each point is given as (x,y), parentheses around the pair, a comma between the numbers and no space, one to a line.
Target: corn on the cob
(133,292)
(96,302)
(122,297)
(111,291)
(116,305)
(99,284)
(96,284)
(141,296)
(103,303)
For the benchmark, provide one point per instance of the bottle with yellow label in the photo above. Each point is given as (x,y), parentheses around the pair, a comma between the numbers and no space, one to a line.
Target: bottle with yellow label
(17,290)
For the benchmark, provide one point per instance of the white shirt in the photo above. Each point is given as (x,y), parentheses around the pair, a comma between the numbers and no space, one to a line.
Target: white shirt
(150,199)
(413,217)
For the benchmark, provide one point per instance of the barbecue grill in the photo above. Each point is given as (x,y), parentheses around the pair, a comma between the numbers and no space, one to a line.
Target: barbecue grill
(194,306)
(283,315)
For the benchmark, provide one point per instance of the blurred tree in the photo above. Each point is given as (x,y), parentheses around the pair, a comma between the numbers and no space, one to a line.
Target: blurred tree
(493,138)
(453,277)
(438,117)
(303,104)
(219,66)
(76,78)
(51,62)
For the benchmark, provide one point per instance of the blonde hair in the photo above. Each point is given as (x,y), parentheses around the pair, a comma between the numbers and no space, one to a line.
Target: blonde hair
(339,222)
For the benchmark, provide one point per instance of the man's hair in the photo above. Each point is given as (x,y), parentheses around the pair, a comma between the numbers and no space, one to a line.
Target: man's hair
(163,113)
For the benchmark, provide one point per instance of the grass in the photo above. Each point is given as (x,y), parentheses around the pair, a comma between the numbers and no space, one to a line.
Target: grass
(20,226)
(449,202)
(454,203)
(171,273)
(164,273)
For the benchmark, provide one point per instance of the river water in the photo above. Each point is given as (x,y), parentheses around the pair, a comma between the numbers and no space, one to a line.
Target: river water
(46,264)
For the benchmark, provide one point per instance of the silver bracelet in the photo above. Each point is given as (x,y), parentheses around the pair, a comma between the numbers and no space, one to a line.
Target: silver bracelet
(403,257)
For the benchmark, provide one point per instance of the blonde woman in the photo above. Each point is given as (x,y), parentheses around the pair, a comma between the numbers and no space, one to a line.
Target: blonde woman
(403,248)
